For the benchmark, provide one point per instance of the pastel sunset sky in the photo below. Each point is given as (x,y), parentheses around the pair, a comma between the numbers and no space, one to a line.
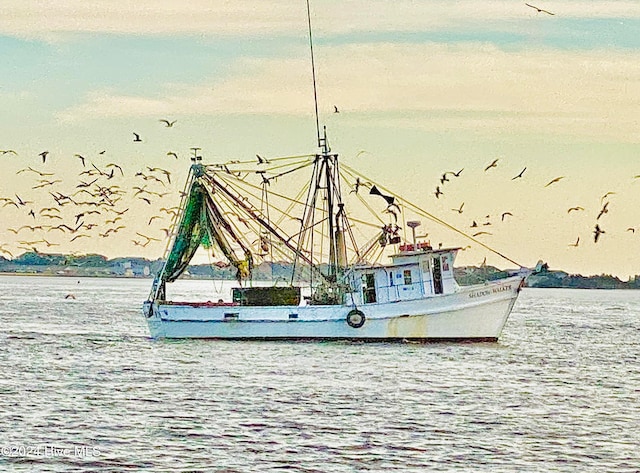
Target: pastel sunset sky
(422,88)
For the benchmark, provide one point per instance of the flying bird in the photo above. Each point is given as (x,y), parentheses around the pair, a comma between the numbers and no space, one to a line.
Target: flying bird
(43,155)
(539,10)
(519,175)
(606,195)
(438,192)
(113,165)
(459,210)
(136,137)
(504,214)
(481,233)
(261,160)
(597,232)
(335,109)
(171,153)
(603,211)
(631,229)
(167,123)
(357,185)
(553,181)
(576,243)
(575,208)
(492,165)
(81,158)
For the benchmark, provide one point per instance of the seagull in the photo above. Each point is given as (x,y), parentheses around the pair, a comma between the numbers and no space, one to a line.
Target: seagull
(136,137)
(167,123)
(576,243)
(114,165)
(603,211)
(481,233)
(335,109)
(6,151)
(553,181)
(540,10)
(504,214)
(519,175)
(261,160)
(171,153)
(631,229)
(357,185)
(606,195)
(80,236)
(81,158)
(444,179)
(44,156)
(492,165)
(597,232)
(457,174)
(574,208)
(438,192)
(459,210)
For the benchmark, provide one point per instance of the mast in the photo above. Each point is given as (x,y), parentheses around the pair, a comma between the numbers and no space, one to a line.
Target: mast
(337,251)
(313,75)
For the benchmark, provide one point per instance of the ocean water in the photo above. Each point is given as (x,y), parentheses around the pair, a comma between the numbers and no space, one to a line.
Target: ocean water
(83,388)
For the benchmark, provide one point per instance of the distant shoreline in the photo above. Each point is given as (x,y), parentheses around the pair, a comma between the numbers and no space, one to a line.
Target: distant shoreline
(467,276)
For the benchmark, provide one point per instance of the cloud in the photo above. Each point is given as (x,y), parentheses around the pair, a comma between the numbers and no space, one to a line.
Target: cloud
(472,86)
(58,19)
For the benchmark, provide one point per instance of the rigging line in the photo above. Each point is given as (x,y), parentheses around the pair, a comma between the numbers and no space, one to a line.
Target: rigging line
(275,231)
(432,217)
(309,209)
(286,212)
(313,73)
(276,176)
(295,163)
(346,227)
(366,204)
(233,171)
(238,182)
(278,158)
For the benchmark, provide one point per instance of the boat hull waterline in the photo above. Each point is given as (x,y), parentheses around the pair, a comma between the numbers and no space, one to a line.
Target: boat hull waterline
(477,312)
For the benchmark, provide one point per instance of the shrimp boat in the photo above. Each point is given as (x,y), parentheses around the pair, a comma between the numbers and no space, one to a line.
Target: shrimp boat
(335,288)
(343,265)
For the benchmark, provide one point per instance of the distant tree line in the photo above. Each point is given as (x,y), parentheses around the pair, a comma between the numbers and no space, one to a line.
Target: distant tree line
(98,265)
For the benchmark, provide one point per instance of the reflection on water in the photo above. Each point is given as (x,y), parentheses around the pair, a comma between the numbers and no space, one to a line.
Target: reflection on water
(85,389)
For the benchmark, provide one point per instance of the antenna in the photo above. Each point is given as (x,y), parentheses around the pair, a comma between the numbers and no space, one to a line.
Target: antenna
(313,73)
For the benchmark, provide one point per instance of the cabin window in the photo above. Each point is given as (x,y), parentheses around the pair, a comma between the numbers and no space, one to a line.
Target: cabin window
(231,316)
(437,276)
(390,279)
(445,263)
(369,288)
(407,277)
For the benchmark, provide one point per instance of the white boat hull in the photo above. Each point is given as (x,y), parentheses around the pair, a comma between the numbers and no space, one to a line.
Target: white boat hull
(476,312)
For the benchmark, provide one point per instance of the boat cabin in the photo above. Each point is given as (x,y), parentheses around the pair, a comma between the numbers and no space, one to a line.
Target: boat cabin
(415,272)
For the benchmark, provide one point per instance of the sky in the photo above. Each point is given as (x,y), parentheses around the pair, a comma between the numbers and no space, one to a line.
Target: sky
(422,88)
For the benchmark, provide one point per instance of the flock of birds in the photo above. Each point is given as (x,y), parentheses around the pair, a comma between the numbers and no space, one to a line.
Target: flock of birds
(99,202)
(597,229)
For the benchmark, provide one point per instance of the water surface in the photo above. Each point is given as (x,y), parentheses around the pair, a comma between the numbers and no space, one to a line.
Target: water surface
(85,389)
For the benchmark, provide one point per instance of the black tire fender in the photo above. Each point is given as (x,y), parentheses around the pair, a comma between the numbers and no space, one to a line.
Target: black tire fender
(356,318)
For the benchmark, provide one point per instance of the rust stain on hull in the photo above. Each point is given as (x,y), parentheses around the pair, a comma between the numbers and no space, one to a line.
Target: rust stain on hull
(407,327)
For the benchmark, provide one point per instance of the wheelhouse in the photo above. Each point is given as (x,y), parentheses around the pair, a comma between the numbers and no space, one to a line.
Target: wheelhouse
(415,272)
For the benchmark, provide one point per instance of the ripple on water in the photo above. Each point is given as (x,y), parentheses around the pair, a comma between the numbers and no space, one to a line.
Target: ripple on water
(558,392)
